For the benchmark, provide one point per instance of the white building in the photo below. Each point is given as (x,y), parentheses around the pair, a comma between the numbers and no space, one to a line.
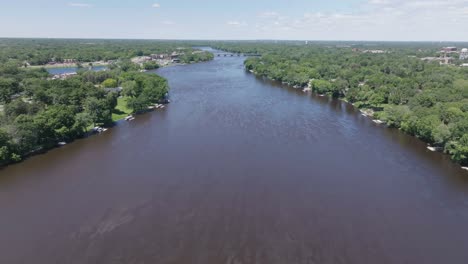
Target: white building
(464,54)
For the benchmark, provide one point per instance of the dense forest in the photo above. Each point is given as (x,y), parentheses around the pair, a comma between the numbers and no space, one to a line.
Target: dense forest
(43,51)
(424,99)
(38,111)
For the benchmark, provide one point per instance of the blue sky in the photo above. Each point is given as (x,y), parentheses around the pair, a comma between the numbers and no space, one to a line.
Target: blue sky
(434,20)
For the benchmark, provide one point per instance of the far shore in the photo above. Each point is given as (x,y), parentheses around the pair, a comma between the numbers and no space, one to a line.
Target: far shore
(69,65)
(365,112)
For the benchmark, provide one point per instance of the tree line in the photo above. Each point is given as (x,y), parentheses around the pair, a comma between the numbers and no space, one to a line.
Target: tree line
(43,51)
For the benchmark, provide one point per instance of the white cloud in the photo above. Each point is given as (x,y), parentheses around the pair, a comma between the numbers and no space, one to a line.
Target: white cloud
(237,23)
(79,5)
(268,14)
(373,20)
(379,2)
(433,20)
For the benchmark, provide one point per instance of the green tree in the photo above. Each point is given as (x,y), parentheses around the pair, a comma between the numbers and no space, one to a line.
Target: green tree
(441,134)
(129,88)
(109,83)
(459,150)
(8,87)
(98,110)
(16,108)
(150,65)
(7,154)
(321,86)
(425,126)
(137,104)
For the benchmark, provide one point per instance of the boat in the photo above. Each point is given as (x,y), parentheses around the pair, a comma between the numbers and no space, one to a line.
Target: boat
(62,143)
(465,168)
(129,118)
(99,129)
(378,121)
(434,148)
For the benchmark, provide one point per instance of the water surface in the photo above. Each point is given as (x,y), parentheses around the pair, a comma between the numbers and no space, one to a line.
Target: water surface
(237,170)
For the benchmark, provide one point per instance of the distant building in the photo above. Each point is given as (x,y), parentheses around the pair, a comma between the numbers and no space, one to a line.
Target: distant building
(464,54)
(449,50)
(142,59)
(443,60)
(159,56)
(63,76)
(446,60)
(374,51)
(174,55)
(116,90)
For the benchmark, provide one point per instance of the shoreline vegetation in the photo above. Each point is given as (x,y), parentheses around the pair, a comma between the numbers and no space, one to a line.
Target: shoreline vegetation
(39,113)
(394,86)
(369,113)
(70,65)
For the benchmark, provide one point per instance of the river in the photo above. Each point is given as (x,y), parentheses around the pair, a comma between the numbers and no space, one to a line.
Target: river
(236,170)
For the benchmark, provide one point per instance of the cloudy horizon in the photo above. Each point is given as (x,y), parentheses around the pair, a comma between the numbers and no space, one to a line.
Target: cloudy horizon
(369,20)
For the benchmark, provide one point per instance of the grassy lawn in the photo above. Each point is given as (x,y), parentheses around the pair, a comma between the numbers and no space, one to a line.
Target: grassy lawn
(121,110)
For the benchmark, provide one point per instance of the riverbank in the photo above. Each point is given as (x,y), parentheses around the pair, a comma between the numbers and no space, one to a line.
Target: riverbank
(120,113)
(370,113)
(65,120)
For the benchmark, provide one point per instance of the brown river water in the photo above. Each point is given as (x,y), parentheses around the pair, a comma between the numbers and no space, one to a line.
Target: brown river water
(236,170)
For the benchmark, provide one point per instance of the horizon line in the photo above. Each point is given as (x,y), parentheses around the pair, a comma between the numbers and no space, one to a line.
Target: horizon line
(181,39)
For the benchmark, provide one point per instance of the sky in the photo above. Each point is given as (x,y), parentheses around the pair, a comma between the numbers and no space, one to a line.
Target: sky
(387,20)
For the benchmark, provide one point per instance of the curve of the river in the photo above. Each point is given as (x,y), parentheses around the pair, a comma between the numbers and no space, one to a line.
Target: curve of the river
(236,170)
